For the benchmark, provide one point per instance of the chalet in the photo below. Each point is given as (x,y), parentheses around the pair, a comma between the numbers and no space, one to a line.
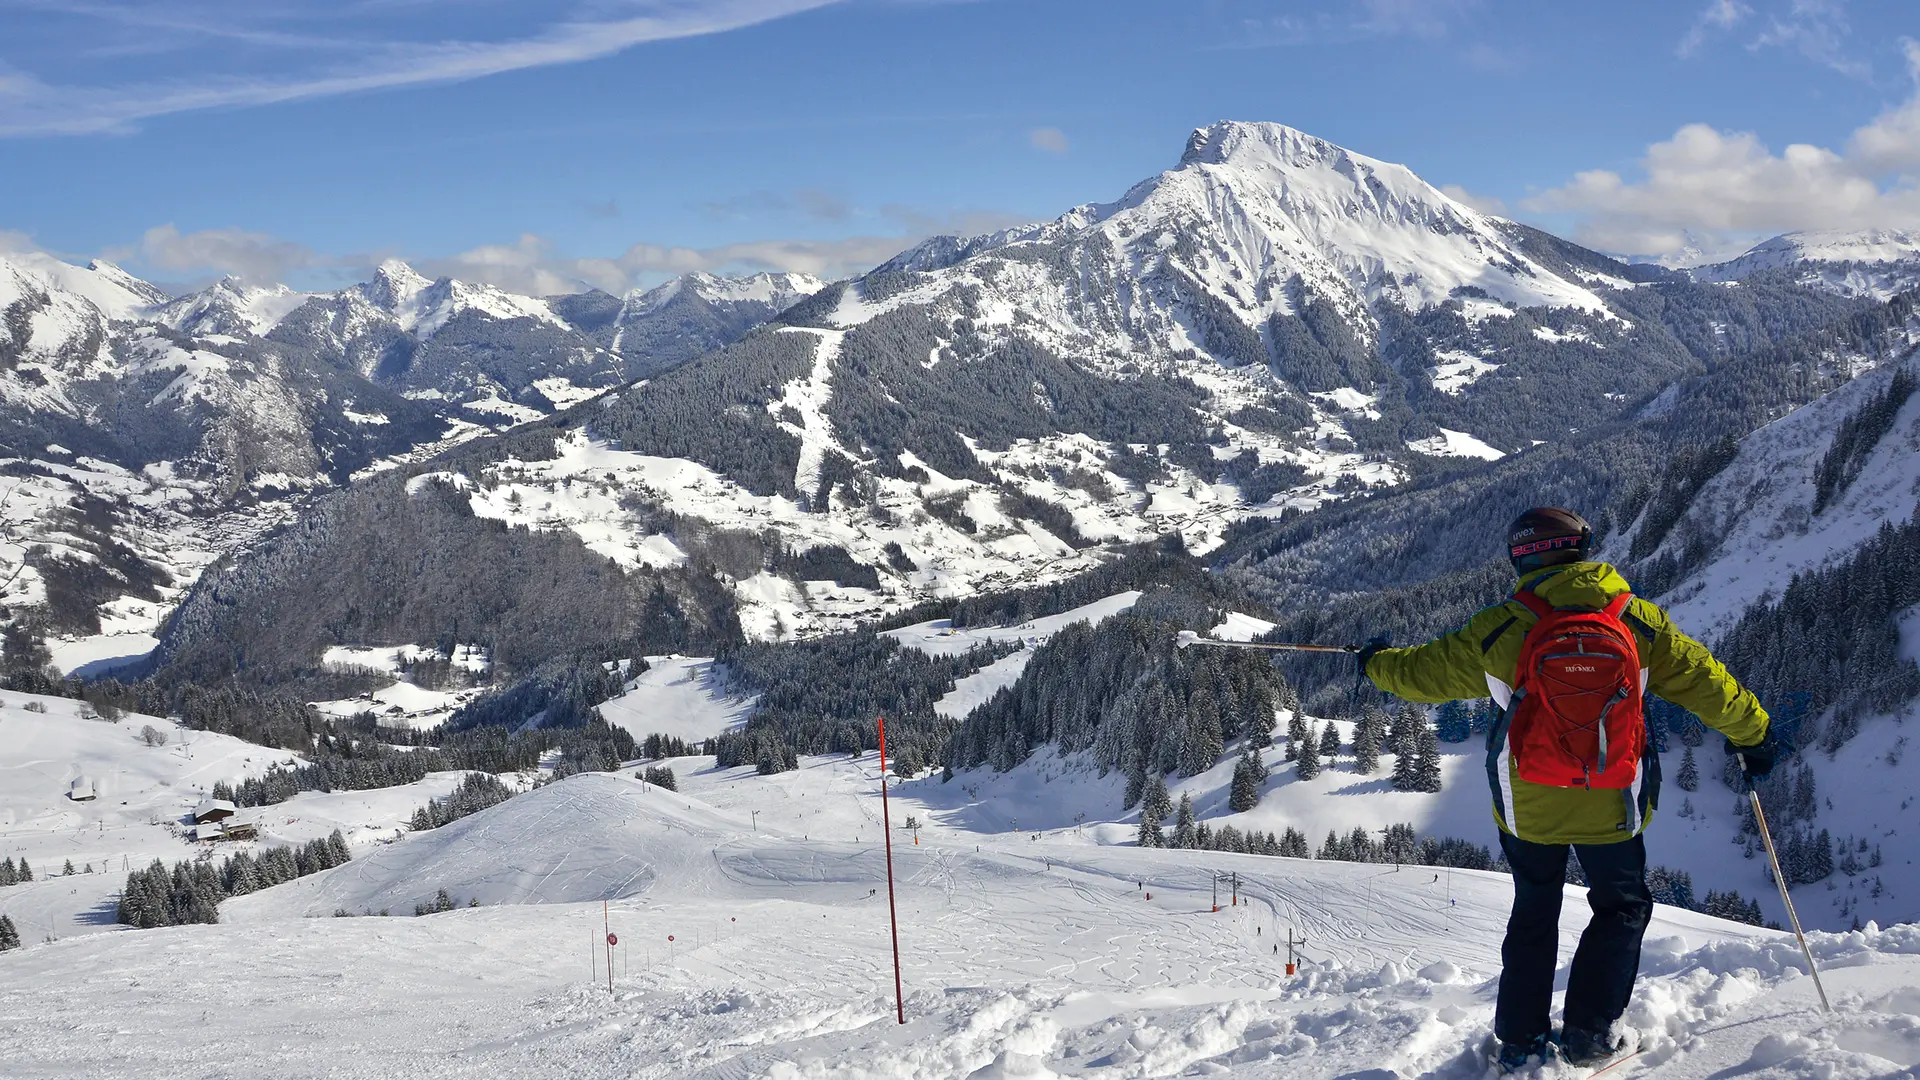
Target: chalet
(212,810)
(227,830)
(83,789)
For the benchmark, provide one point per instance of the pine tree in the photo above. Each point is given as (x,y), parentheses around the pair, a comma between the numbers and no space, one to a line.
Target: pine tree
(1454,723)
(1296,734)
(68,871)
(1307,766)
(1184,835)
(1426,757)
(1400,730)
(1150,835)
(1366,745)
(9,934)
(1158,802)
(1204,738)
(1244,795)
(26,872)
(1406,768)
(1689,778)
(1804,804)
(1329,743)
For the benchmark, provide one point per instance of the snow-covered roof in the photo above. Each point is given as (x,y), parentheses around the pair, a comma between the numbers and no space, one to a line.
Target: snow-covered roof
(213,806)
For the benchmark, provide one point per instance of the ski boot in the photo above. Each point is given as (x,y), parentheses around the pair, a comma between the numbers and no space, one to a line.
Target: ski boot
(1588,1048)
(1514,1056)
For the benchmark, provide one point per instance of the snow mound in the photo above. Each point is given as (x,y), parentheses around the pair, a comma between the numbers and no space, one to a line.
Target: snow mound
(592,836)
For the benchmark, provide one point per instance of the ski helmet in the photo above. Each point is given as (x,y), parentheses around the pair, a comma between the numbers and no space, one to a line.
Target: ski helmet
(1546,536)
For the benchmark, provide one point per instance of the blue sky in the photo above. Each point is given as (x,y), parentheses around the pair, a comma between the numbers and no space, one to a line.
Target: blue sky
(541,143)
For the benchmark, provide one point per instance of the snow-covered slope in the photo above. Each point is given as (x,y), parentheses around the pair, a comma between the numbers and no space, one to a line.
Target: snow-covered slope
(142,792)
(230,307)
(1872,262)
(678,696)
(765,953)
(146,436)
(1756,518)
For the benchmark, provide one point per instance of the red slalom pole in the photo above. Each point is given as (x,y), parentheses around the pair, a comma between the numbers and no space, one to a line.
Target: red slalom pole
(893,917)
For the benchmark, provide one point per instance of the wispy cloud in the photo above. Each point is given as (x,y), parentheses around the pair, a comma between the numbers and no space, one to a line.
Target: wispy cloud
(1354,21)
(1817,30)
(310,66)
(532,264)
(1706,187)
(1718,15)
(253,256)
(1050,139)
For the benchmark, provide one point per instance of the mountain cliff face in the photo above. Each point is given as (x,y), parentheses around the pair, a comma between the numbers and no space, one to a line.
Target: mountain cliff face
(1272,327)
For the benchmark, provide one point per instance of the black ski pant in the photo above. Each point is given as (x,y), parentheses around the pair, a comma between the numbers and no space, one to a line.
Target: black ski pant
(1608,959)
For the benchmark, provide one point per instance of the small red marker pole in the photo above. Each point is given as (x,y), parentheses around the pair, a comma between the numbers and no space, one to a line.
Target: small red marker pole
(893,918)
(606,927)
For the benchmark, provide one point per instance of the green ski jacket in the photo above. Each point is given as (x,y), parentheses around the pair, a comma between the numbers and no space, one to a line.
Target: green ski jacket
(1480,660)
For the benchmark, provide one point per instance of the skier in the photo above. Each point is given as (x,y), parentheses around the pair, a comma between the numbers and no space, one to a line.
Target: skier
(1570,763)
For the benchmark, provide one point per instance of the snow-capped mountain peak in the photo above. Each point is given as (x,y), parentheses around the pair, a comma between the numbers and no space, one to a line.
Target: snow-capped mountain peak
(1257,221)
(231,307)
(394,287)
(1866,262)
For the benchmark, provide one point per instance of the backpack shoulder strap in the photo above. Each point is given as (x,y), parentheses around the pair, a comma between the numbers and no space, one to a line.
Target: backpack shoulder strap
(1532,602)
(1617,608)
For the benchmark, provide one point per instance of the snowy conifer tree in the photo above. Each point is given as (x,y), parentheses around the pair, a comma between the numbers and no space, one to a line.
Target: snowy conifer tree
(1296,734)
(1366,745)
(1406,768)
(1150,835)
(1689,778)
(1184,834)
(9,935)
(1329,743)
(1426,759)
(1157,801)
(1244,795)
(1307,765)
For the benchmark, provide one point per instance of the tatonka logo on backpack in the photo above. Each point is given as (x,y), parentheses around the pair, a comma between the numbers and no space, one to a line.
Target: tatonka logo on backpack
(1578,717)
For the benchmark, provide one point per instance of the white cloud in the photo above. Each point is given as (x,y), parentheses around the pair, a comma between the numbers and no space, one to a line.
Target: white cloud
(254,256)
(1705,188)
(1718,15)
(32,106)
(1050,139)
(1817,30)
(528,266)
(1892,142)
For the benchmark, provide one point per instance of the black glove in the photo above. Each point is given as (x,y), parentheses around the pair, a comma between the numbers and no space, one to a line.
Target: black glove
(1366,653)
(1758,760)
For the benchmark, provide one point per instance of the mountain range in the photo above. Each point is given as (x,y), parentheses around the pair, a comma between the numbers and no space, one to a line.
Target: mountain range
(1245,351)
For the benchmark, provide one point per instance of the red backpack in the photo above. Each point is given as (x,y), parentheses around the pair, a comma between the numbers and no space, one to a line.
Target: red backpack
(1578,717)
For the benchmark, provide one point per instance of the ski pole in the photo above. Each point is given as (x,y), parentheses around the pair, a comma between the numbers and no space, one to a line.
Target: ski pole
(1760,818)
(1188,637)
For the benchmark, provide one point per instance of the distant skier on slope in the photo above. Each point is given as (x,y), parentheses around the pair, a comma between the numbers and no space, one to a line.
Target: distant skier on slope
(1568,658)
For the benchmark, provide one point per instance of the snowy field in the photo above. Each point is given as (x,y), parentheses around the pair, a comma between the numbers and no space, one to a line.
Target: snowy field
(681,696)
(1036,941)
(1022,958)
